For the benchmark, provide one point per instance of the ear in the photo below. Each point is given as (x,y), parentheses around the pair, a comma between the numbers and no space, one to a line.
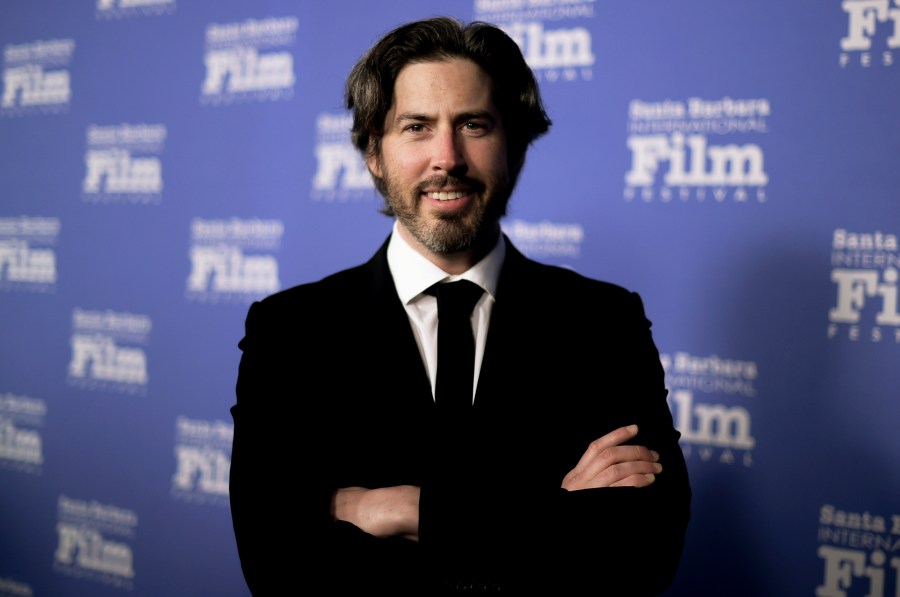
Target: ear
(372,160)
(373,163)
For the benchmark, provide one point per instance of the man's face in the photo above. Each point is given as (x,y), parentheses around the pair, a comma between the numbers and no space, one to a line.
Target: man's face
(443,155)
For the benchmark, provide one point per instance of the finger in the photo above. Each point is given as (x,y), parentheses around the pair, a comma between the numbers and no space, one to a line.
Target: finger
(643,480)
(611,466)
(595,463)
(633,474)
(628,474)
(595,448)
(616,474)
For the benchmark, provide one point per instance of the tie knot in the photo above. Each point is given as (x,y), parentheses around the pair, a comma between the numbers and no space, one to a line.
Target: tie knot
(456,298)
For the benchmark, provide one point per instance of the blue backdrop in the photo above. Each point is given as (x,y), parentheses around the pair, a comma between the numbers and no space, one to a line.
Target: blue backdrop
(163,163)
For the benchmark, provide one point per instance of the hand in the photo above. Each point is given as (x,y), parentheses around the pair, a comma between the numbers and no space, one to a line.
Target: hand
(383,512)
(608,463)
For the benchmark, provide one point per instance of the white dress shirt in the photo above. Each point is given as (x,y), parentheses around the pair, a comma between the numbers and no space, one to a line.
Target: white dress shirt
(413,274)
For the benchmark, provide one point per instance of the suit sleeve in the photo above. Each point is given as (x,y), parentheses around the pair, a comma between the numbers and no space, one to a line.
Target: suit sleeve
(281,478)
(632,538)
(605,541)
(637,533)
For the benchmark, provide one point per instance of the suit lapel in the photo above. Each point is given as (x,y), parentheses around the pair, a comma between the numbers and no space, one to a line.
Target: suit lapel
(509,337)
(391,334)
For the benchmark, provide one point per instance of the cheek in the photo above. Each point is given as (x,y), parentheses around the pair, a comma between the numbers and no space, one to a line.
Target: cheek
(491,158)
(411,161)
(495,166)
(403,164)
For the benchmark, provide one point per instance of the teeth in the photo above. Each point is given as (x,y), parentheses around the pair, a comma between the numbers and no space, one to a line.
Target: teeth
(442,196)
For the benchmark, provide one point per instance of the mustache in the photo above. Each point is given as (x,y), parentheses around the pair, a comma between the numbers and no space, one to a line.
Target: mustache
(447,180)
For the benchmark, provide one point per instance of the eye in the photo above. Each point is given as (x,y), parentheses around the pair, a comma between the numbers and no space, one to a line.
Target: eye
(415,128)
(476,127)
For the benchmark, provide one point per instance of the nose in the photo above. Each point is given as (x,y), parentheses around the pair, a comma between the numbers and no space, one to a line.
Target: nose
(448,153)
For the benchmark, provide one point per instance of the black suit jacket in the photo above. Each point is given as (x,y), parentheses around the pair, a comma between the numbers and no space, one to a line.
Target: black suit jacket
(332,392)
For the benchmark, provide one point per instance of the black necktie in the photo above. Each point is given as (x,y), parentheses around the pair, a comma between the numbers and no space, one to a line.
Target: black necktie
(456,344)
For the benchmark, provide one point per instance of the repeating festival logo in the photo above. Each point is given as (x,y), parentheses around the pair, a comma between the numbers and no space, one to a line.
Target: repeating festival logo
(550,240)
(708,396)
(233,260)
(202,460)
(249,61)
(873,33)
(860,551)
(28,253)
(94,542)
(119,9)
(865,272)
(21,423)
(36,78)
(695,150)
(555,52)
(109,351)
(10,587)
(341,173)
(123,164)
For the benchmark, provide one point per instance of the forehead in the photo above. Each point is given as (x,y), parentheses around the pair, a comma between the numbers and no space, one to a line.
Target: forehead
(455,84)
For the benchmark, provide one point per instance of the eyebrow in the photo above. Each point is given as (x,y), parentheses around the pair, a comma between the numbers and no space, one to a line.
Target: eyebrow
(461,117)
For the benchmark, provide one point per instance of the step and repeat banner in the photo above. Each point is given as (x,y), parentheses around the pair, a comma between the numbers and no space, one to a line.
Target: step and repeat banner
(164,163)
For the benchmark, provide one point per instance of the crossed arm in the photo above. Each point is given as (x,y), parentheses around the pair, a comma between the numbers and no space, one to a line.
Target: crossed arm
(394,511)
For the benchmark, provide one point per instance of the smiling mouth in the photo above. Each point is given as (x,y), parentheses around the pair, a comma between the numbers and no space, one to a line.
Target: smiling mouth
(446,196)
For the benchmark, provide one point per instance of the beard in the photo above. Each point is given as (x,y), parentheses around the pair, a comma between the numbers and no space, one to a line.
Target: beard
(446,233)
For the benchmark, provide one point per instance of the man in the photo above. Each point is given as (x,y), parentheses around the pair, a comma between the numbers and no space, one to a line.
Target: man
(560,474)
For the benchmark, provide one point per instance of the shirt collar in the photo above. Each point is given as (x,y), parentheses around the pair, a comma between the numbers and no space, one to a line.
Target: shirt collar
(413,273)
